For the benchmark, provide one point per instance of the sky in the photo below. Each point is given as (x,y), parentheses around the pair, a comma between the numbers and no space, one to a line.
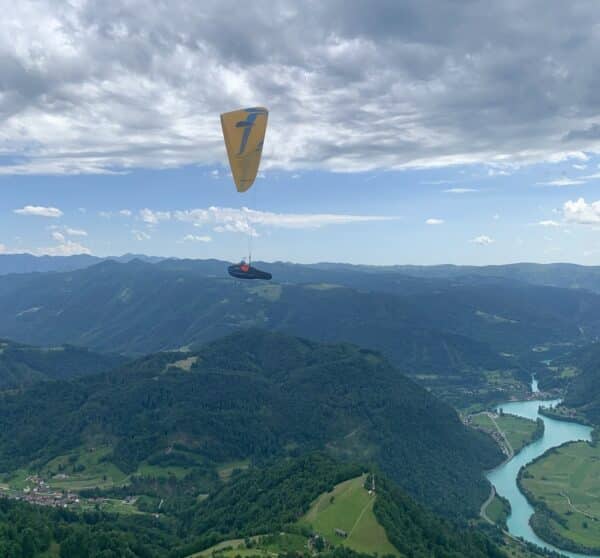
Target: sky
(419,132)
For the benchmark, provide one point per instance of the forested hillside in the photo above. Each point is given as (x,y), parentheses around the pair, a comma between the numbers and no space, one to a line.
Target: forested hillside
(257,502)
(583,391)
(22,365)
(254,395)
(450,334)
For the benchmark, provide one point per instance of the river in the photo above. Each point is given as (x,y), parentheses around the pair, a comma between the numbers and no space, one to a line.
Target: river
(504,477)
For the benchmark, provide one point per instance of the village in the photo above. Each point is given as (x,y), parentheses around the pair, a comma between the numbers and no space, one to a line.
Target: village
(39,492)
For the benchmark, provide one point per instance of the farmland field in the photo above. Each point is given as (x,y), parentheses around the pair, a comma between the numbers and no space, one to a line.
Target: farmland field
(567,480)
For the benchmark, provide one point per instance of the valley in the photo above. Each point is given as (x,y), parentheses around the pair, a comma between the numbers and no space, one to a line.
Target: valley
(301,388)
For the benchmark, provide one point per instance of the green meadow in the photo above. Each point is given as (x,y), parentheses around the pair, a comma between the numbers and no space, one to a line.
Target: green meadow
(567,480)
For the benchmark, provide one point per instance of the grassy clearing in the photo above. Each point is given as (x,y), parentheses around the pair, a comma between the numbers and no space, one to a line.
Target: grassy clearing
(498,511)
(267,545)
(323,286)
(226,469)
(158,471)
(349,507)
(83,468)
(482,420)
(518,430)
(271,292)
(184,364)
(567,480)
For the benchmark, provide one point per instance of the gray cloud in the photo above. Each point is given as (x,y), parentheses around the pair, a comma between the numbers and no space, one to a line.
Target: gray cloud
(108,86)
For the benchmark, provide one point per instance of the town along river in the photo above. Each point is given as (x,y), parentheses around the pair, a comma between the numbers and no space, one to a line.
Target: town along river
(504,477)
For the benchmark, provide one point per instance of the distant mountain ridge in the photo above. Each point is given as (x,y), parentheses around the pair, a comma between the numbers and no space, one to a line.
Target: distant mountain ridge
(28,263)
(563,275)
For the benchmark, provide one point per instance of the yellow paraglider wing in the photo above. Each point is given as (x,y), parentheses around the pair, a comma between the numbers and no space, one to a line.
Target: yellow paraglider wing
(244,133)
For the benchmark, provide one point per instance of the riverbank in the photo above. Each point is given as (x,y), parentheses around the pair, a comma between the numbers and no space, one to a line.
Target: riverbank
(562,486)
(504,477)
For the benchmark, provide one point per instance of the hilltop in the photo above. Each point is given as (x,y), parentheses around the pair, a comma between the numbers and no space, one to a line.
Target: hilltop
(255,395)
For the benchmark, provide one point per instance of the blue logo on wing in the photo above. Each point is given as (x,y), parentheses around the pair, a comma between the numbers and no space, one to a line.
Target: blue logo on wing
(247,124)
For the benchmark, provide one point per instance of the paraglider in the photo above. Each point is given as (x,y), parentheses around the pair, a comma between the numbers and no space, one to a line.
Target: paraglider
(244,134)
(246,271)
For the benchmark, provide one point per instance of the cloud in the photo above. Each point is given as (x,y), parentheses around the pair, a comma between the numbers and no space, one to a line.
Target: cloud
(498,172)
(548,223)
(482,240)
(434,221)
(2,249)
(39,211)
(196,238)
(590,133)
(75,232)
(65,248)
(125,213)
(460,190)
(581,212)
(107,87)
(244,220)
(154,217)
(140,235)
(59,237)
(562,182)
(496,217)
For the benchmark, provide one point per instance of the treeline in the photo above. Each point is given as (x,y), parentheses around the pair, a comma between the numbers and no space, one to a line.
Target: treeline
(28,531)
(417,533)
(265,500)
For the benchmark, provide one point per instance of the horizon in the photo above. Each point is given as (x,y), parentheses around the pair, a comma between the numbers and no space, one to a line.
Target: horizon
(135,256)
(419,133)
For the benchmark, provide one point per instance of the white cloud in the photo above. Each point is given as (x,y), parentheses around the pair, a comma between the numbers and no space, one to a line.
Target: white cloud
(460,190)
(581,212)
(39,211)
(548,223)
(562,182)
(125,212)
(75,232)
(2,249)
(482,240)
(98,88)
(140,235)
(153,217)
(498,172)
(594,176)
(66,248)
(579,167)
(105,214)
(433,221)
(59,237)
(196,238)
(496,217)
(244,220)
